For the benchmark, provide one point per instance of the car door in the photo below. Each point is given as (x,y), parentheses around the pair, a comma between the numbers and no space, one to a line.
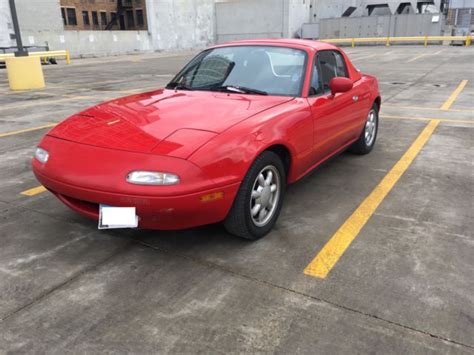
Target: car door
(334,116)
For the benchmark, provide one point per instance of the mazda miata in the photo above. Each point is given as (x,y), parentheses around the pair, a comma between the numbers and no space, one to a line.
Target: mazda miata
(221,142)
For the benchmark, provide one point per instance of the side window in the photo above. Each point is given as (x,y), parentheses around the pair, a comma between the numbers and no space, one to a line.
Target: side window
(316,86)
(340,65)
(332,64)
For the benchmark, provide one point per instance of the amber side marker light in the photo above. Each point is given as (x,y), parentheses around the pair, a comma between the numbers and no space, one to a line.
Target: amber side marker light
(212,197)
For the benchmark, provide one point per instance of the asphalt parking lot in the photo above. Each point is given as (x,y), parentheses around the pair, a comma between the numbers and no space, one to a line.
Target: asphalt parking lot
(392,233)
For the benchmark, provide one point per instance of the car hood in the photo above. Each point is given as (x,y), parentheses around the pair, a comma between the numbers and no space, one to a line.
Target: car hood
(141,122)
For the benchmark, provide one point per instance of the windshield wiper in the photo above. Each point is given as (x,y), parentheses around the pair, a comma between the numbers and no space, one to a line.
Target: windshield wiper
(178,86)
(240,89)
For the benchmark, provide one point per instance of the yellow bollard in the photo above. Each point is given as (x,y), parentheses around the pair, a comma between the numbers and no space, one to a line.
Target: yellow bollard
(68,57)
(353,43)
(388,42)
(426,41)
(468,40)
(25,73)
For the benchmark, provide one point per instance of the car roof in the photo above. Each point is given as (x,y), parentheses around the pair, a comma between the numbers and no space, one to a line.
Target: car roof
(283,42)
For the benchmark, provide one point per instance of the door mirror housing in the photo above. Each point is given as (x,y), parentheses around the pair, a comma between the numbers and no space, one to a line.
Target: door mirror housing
(340,84)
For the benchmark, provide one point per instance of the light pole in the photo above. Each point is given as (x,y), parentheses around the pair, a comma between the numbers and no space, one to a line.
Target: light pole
(21,52)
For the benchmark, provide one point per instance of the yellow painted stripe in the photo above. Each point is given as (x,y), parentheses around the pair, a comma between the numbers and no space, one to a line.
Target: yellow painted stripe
(417,57)
(445,120)
(340,241)
(34,191)
(465,109)
(12,133)
(45,102)
(454,96)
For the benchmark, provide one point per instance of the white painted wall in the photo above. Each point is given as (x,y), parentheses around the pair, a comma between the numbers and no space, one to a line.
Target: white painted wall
(43,15)
(93,43)
(246,19)
(298,13)
(179,24)
(6,26)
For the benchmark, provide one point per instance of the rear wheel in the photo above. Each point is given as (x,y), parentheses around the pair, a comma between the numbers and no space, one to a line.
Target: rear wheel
(258,202)
(367,138)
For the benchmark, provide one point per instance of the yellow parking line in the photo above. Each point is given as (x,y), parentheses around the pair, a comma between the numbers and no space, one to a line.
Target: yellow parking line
(426,119)
(340,241)
(12,133)
(447,104)
(427,108)
(41,103)
(34,191)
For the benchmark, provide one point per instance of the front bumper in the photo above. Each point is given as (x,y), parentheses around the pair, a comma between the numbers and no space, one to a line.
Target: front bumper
(83,177)
(154,212)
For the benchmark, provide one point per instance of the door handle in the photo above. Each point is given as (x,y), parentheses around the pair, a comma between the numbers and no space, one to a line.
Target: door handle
(355,98)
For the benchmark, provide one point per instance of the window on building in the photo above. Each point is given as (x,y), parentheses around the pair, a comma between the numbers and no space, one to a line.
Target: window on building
(378,10)
(130,19)
(85,18)
(140,19)
(122,22)
(349,11)
(95,18)
(405,8)
(63,14)
(103,18)
(71,16)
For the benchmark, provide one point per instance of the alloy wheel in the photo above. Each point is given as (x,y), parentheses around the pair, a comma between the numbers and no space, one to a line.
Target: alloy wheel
(265,195)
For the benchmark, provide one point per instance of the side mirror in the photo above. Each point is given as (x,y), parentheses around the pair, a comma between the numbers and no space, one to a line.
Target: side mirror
(340,84)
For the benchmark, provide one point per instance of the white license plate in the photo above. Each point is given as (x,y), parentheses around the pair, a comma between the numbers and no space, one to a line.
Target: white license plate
(117,217)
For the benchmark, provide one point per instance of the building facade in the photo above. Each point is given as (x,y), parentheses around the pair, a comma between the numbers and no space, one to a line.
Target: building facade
(99,15)
(111,27)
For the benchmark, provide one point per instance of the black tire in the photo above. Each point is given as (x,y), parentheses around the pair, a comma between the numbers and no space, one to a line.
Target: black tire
(239,220)
(361,146)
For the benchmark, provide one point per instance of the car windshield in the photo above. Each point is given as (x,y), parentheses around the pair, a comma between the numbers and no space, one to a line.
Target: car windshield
(259,70)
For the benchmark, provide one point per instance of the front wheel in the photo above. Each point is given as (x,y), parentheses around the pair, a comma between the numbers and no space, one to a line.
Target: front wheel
(258,202)
(367,138)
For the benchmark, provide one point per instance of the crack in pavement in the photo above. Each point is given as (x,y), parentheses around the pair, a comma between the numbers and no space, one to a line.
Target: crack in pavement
(42,296)
(76,276)
(416,81)
(322,300)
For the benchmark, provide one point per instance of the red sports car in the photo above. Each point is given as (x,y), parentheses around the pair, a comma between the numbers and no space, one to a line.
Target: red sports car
(219,143)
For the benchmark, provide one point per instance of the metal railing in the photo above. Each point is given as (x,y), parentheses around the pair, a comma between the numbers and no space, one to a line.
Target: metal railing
(388,40)
(42,54)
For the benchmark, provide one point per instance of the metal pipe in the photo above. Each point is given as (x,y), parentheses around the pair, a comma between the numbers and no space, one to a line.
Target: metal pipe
(22,52)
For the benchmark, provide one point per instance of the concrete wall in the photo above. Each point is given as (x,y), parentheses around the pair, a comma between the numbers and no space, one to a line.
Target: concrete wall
(250,19)
(260,19)
(6,27)
(324,9)
(92,43)
(461,4)
(177,24)
(36,15)
(377,26)
(43,25)
(298,13)
(321,9)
